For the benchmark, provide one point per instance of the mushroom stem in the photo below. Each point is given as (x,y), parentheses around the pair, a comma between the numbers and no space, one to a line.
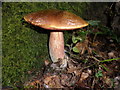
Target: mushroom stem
(56,45)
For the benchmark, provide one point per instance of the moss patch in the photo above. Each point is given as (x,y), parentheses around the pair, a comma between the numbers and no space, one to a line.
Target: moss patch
(26,46)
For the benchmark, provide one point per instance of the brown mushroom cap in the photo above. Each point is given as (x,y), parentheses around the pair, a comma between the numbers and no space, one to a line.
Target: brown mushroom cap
(55,20)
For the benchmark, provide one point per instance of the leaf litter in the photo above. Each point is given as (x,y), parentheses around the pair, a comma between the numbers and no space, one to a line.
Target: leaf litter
(94,65)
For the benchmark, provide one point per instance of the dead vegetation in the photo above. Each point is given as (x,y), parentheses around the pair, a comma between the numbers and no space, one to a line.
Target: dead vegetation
(93,62)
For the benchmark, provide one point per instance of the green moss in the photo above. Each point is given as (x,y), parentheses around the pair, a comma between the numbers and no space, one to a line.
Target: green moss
(26,46)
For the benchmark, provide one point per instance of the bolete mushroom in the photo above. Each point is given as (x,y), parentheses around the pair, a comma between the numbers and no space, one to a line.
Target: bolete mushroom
(57,21)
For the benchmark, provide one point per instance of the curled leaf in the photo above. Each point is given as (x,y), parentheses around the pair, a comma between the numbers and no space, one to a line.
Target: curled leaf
(75,49)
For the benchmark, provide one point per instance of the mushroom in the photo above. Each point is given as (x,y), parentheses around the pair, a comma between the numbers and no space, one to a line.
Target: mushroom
(57,21)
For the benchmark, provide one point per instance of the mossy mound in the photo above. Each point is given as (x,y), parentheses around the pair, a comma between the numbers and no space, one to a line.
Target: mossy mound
(25,46)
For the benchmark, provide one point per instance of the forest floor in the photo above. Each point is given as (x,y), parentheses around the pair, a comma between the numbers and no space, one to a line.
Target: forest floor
(94,62)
